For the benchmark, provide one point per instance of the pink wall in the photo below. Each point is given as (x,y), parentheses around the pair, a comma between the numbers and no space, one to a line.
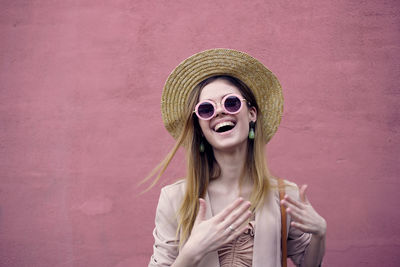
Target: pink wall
(80,123)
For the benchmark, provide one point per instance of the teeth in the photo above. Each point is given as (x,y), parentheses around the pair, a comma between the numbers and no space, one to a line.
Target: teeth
(222,124)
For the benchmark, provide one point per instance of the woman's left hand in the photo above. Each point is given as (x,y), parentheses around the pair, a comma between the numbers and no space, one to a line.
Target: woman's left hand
(304,217)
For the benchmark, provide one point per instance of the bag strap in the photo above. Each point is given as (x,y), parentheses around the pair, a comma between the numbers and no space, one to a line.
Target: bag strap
(281,187)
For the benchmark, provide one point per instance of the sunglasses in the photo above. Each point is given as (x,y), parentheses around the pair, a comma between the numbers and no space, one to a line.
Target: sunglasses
(231,104)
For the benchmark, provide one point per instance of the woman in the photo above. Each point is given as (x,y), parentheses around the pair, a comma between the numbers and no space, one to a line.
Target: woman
(223,106)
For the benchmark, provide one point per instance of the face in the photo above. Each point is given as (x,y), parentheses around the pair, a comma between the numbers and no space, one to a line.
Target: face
(225,131)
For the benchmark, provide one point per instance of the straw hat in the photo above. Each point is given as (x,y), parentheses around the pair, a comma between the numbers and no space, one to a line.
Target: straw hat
(261,81)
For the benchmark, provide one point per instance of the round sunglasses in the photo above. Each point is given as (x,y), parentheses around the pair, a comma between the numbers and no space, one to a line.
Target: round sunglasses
(231,104)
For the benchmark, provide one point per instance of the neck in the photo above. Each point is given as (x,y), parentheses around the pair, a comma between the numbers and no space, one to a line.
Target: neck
(231,163)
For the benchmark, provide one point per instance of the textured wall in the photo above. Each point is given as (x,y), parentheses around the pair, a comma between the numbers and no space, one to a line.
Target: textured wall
(80,123)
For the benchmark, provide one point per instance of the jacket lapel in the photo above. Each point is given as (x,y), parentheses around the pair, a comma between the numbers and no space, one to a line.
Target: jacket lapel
(266,250)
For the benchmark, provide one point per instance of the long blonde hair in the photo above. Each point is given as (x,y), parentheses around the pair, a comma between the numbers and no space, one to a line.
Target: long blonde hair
(202,167)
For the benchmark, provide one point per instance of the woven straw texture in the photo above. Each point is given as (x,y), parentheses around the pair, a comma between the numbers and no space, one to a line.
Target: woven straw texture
(262,82)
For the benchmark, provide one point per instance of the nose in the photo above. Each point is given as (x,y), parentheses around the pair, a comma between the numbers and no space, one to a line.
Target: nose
(219,109)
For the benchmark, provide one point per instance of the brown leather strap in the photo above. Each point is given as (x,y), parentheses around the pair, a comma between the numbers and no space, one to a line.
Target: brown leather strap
(281,187)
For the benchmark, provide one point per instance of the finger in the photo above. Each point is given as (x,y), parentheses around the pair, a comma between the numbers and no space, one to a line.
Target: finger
(288,200)
(302,227)
(237,222)
(202,211)
(243,218)
(242,210)
(303,193)
(225,212)
(295,214)
(235,234)
(295,209)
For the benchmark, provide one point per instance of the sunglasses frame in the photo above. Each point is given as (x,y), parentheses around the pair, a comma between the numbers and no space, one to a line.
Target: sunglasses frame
(222,103)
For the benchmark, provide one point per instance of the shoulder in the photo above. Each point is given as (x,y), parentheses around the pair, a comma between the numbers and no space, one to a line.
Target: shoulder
(176,189)
(290,188)
(171,196)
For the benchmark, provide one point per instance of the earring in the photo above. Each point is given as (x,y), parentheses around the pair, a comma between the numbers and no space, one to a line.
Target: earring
(201,148)
(251,132)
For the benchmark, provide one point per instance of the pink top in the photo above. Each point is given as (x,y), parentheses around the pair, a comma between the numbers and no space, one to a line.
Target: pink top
(239,252)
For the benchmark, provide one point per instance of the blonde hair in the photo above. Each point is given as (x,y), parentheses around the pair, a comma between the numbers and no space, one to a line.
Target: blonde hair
(202,167)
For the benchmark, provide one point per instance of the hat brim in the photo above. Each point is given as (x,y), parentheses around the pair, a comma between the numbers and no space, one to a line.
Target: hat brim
(193,70)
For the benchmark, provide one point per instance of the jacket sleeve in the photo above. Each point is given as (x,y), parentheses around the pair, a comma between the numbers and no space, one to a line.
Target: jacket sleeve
(165,248)
(298,241)
(297,244)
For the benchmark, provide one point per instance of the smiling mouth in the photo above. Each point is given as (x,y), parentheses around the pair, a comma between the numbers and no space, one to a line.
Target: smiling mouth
(224,126)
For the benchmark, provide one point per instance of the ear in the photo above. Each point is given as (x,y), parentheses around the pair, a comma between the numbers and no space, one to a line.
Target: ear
(252,114)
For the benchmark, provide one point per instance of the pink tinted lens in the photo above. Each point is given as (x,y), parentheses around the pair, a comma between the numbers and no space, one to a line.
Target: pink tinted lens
(205,110)
(232,104)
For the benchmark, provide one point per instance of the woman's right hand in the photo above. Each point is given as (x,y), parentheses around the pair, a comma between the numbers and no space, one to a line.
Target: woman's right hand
(209,235)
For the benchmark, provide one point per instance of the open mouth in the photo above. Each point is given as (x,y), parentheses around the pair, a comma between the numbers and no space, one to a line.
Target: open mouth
(224,126)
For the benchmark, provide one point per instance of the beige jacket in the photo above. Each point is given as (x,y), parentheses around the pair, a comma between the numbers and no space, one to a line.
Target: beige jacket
(267,238)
